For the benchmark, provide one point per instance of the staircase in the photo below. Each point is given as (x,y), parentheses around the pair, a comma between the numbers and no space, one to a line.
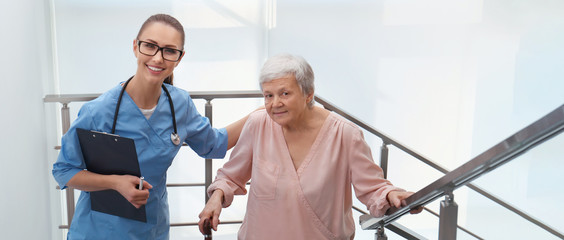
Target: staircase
(530,137)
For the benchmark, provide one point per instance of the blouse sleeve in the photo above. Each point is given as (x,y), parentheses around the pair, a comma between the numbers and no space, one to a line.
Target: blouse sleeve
(234,175)
(370,186)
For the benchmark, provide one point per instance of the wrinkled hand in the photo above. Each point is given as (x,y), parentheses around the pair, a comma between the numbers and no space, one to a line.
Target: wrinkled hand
(210,214)
(127,185)
(397,199)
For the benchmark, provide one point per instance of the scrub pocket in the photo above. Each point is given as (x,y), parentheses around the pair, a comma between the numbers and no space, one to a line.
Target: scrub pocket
(264,179)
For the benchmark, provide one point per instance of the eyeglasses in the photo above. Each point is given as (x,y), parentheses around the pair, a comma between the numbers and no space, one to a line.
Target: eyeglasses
(150,49)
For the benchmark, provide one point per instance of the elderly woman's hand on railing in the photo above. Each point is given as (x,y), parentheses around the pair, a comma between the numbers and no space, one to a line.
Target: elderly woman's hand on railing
(397,199)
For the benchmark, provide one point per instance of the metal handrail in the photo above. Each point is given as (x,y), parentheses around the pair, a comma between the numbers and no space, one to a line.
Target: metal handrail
(388,140)
(207,95)
(529,137)
(210,95)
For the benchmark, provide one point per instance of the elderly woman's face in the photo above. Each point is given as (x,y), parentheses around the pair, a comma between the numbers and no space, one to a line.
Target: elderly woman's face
(284,100)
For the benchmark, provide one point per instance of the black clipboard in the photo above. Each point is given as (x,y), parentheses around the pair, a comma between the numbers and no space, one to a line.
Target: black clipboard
(111,154)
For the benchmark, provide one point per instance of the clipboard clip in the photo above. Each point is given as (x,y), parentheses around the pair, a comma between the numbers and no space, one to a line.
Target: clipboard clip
(105,133)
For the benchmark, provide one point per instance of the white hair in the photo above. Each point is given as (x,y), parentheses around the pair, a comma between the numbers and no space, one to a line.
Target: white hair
(285,64)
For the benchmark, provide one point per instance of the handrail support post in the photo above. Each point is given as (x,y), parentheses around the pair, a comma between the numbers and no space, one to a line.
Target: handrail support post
(384,158)
(209,163)
(209,166)
(380,234)
(448,219)
(69,192)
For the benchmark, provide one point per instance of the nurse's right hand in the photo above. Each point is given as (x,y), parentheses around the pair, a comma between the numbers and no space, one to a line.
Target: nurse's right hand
(126,185)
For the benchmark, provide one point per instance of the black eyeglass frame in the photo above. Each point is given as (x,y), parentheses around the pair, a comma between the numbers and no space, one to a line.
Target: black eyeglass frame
(159,49)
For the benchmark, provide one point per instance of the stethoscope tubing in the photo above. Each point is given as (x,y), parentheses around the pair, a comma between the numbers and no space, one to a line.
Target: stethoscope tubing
(174,134)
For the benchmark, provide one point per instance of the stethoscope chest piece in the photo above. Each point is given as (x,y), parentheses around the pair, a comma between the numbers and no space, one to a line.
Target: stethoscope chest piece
(175,139)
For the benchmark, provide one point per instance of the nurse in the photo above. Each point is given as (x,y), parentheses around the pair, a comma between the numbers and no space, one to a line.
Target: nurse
(155,124)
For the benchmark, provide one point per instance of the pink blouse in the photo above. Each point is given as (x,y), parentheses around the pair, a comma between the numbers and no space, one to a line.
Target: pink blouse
(313,202)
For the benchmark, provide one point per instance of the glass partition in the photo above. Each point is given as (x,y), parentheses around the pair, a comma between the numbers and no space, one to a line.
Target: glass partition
(532,184)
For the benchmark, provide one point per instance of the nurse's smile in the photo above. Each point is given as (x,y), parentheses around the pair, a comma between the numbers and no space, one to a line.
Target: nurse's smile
(154,70)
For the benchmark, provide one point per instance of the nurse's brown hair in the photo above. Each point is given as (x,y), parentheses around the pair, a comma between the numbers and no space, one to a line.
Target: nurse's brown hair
(168,20)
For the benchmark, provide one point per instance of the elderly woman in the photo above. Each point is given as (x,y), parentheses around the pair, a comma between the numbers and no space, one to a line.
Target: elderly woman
(303,162)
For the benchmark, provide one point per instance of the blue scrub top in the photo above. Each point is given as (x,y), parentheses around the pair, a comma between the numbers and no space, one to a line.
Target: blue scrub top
(155,152)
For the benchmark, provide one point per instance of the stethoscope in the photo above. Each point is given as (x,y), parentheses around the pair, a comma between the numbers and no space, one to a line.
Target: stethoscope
(173,136)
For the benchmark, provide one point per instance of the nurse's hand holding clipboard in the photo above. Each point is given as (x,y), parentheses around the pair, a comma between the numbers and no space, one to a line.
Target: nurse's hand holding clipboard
(127,186)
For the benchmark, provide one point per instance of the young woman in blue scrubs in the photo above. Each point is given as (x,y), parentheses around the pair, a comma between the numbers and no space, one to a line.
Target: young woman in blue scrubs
(145,116)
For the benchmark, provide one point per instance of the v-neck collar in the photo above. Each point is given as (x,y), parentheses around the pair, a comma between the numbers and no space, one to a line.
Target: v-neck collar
(149,122)
(311,152)
(159,102)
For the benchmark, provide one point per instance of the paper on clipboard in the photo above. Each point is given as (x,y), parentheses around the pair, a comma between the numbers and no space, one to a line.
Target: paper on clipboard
(111,154)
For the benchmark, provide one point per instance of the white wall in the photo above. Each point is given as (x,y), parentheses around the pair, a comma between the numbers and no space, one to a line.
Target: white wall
(26,206)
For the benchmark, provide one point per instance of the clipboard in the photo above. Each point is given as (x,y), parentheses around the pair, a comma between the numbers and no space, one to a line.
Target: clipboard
(106,153)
